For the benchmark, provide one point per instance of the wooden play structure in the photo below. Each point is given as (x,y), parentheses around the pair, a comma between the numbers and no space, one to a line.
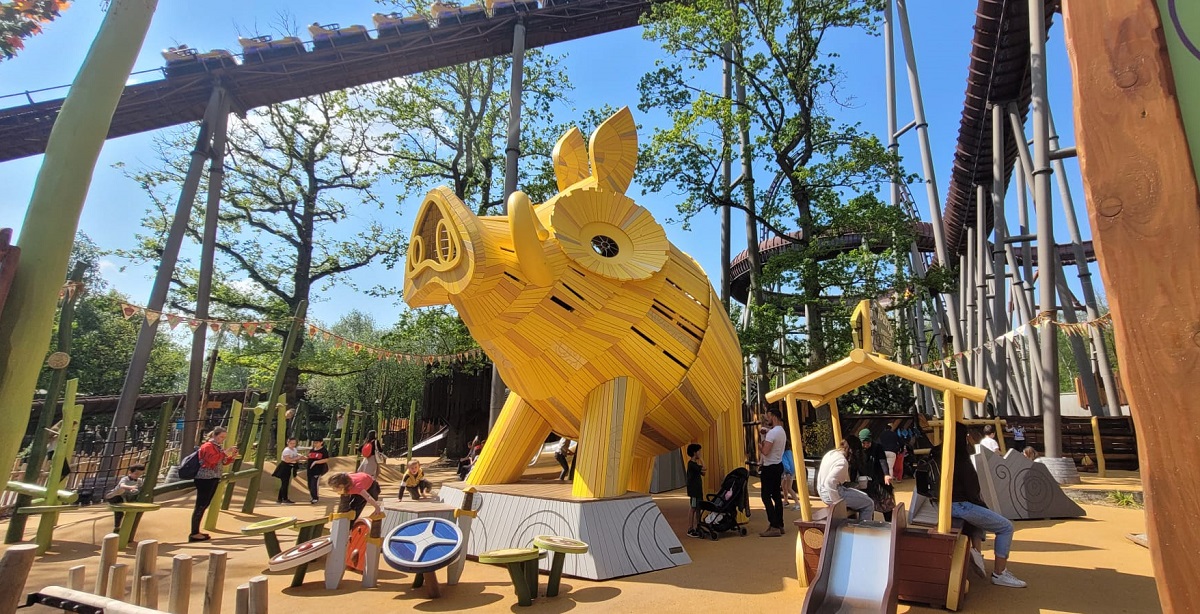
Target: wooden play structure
(606,333)
(122,588)
(930,562)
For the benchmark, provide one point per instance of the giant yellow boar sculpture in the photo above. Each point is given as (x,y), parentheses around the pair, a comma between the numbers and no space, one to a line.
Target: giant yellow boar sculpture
(604,331)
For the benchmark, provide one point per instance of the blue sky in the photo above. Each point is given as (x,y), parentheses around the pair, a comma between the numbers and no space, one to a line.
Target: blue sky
(603,69)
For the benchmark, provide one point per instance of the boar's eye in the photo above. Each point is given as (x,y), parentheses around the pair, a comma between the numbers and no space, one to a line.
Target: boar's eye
(605,246)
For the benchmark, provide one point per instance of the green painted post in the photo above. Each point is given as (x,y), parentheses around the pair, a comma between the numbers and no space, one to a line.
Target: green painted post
(48,230)
(37,451)
(245,435)
(281,426)
(412,423)
(214,511)
(345,428)
(72,416)
(154,463)
(285,359)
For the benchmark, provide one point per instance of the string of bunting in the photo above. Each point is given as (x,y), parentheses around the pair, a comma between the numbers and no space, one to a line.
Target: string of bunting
(1077,329)
(253,327)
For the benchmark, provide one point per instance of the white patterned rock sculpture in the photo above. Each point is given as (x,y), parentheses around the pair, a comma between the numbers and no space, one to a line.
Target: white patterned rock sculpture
(1020,489)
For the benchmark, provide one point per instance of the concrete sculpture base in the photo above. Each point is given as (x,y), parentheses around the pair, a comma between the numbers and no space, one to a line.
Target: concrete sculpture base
(1020,489)
(627,535)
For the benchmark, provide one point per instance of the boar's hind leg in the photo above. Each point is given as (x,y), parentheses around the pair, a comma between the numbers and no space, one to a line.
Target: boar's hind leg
(612,422)
(519,432)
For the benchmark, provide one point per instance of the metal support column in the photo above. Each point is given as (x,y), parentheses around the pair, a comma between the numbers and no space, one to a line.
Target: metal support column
(216,176)
(999,327)
(512,153)
(1112,404)
(935,203)
(1091,393)
(1051,418)
(132,387)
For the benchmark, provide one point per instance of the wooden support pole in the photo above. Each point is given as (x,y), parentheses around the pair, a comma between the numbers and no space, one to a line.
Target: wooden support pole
(243,444)
(143,565)
(116,581)
(793,417)
(1144,206)
(258,595)
(108,557)
(147,592)
(215,582)
(953,413)
(157,451)
(14,570)
(71,420)
(1099,445)
(837,423)
(181,584)
(241,603)
(76,576)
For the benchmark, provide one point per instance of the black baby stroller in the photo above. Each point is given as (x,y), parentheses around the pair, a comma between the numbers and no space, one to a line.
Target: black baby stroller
(729,508)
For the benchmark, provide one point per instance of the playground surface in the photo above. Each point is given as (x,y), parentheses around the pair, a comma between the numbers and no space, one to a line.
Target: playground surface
(1080,565)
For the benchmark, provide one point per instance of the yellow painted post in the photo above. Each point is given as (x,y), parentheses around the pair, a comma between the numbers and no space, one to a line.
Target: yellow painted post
(214,511)
(999,426)
(837,422)
(798,456)
(802,484)
(1099,446)
(281,427)
(951,411)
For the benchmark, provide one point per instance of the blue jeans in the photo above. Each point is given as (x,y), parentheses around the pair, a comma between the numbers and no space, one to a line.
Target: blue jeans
(987,520)
(856,501)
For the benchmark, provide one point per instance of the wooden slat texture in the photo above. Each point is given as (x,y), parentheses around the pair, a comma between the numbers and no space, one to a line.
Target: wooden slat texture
(1144,207)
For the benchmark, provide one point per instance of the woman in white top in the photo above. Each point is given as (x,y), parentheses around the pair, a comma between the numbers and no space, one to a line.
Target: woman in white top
(833,483)
(288,460)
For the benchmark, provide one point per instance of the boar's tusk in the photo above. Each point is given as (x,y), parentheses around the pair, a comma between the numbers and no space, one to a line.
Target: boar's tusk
(527,236)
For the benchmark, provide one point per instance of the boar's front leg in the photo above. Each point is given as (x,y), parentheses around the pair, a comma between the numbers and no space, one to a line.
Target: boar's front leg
(518,434)
(612,422)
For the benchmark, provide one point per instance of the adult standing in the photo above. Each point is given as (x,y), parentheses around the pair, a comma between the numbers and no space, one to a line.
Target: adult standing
(370,452)
(560,454)
(212,458)
(318,465)
(889,440)
(289,459)
(1018,437)
(770,471)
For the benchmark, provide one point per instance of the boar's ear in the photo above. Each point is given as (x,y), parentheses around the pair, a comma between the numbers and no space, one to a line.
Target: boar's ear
(614,151)
(570,159)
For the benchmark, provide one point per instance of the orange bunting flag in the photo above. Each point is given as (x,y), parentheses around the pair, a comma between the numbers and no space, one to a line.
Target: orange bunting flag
(337,342)
(193,324)
(152,317)
(250,328)
(328,335)
(128,310)
(173,320)
(312,330)
(234,327)
(215,326)
(268,326)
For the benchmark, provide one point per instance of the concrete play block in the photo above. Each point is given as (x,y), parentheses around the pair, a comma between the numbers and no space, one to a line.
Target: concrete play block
(1020,489)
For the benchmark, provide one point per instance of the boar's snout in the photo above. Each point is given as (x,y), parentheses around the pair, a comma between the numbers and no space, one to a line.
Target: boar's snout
(440,257)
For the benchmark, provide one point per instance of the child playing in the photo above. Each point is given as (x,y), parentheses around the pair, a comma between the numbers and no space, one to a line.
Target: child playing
(789,476)
(695,487)
(361,486)
(128,486)
(414,480)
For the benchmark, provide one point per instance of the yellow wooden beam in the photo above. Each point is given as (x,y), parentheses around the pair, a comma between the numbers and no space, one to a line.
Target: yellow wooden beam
(953,411)
(837,422)
(936,382)
(801,484)
(1099,446)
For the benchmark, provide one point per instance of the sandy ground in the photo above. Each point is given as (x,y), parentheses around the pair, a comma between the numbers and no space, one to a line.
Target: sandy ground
(1081,565)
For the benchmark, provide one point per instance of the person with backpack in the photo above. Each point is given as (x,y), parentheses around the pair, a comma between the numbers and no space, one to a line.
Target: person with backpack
(208,462)
(369,451)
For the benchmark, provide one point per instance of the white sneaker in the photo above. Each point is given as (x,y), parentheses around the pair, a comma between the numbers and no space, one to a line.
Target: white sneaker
(1005,578)
(977,563)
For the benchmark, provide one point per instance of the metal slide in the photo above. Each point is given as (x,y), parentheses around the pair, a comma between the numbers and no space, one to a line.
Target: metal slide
(857,563)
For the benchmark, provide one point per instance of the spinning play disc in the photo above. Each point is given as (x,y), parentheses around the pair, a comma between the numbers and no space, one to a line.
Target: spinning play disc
(307,552)
(356,548)
(422,545)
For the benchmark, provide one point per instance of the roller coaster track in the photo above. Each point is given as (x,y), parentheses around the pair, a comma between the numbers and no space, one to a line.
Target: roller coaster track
(165,102)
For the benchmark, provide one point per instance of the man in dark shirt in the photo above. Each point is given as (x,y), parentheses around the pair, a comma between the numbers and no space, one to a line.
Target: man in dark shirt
(695,487)
(892,446)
